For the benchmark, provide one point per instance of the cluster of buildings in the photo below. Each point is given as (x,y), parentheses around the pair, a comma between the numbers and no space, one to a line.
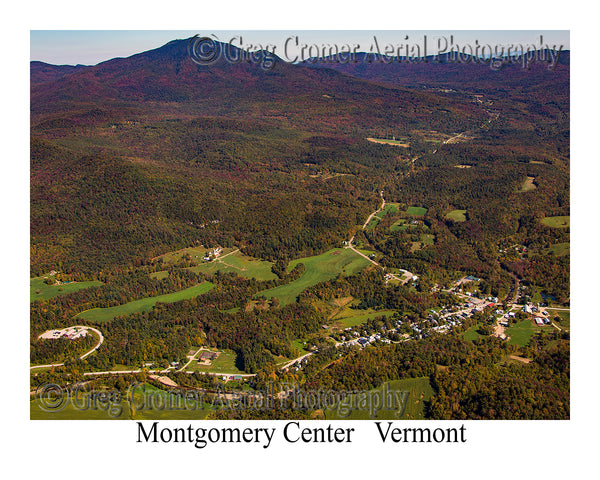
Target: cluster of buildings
(213,253)
(70,333)
(539,316)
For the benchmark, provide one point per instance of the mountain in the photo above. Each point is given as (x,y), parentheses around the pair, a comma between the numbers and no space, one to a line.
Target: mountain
(166,81)
(470,73)
(41,72)
(548,87)
(137,156)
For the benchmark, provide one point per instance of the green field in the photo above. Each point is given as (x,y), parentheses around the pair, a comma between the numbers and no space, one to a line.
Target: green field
(471,334)
(399,225)
(150,400)
(224,363)
(559,249)
(195,253)
(50,291)
(349,317)
(565,315)
(428,239)
(417,211)
(521,333)
(159,275)
(318,269)
(298,344)
(389,208)
(420,391)
(557,222)
(144,304)
(457,215)
(240,264)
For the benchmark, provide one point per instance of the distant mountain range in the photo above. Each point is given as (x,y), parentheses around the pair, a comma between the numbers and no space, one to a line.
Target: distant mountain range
(141,155)
(165,80)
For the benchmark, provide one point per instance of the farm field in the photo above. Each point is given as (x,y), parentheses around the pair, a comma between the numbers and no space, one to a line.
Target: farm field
(350,317)
(521,333)
(50,291)
(123,410)
(420,391)
(565,318)
(70,412)
(557,222)
(159,275)
(416,211)
(195,253)
(240,264)
(399,225)
(144,304)
(318,269)
(457,215)
(559,249)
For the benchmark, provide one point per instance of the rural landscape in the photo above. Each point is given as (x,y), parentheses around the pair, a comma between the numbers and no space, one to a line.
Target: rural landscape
(341,227)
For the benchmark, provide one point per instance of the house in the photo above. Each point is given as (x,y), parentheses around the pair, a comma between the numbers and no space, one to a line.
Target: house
(208,356)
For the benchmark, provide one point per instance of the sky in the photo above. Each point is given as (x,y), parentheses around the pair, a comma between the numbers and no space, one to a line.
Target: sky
(89,47)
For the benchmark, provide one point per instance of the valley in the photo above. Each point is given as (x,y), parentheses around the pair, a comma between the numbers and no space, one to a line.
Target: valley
(231,227)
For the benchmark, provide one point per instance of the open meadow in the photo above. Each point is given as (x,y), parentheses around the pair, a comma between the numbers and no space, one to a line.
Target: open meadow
(419,391)
(318,269)
(38,290)
(144,304)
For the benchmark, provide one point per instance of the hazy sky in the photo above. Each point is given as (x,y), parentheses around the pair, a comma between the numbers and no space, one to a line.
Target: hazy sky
(89,47)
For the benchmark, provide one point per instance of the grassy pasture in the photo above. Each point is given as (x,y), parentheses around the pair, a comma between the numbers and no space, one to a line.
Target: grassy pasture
(471,334)
(416,211)
(318,269)
(563,221)
(457,215)
(399,225)
(521,333)
(349,317)
(50,291)
(147,405)
(420,391)
(565,315)
(298,344)
(195,253)
(559,249)
(240,264)
(144,304)
(159,275)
